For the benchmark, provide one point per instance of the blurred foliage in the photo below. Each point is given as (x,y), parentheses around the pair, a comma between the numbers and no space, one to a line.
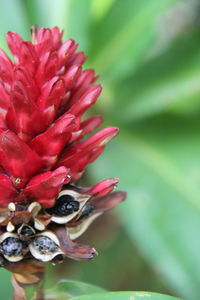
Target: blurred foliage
(126,296)
(147,54)
(68,289)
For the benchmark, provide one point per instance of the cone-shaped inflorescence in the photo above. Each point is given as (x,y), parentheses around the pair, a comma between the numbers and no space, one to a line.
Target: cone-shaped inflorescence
(44,93)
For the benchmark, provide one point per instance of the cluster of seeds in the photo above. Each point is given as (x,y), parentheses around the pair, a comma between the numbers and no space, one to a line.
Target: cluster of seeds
(21,240)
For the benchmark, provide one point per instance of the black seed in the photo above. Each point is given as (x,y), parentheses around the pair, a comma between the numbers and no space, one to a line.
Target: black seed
(26,231)
(12,246)
(44,244)
(86,211)
(65,205)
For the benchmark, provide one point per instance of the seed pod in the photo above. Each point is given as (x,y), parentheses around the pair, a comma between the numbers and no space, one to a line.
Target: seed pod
(26,231)
(12,247)
(68,205)
(65,205)
(45,246)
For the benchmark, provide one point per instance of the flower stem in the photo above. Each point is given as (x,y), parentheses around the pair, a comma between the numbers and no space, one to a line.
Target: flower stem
(19,293)
(40,295)
(34,291)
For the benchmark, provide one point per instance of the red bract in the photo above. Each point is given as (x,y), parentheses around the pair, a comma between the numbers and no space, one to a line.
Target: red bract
(44,94)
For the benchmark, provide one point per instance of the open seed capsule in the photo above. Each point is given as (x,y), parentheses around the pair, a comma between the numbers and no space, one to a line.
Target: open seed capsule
(26,231)
(11,247)
(68,205)
(45,246)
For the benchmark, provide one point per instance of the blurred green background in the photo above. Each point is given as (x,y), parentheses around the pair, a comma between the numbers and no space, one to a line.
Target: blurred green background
(147,53)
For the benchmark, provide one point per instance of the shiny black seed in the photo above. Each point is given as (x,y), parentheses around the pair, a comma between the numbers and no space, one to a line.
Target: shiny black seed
(11,246)
(65,205)
(86,211)
(44,244)
(26,231)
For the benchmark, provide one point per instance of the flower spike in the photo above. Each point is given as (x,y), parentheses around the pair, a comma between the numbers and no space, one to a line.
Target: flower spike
(44,150)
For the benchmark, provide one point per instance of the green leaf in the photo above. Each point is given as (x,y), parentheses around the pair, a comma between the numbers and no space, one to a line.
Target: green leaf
(158,165)
(71,288)
(76,288)
(126,296)
(122,37)
(169,82)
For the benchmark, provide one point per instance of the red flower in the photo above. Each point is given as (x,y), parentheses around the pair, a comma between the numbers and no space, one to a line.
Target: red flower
(44,94)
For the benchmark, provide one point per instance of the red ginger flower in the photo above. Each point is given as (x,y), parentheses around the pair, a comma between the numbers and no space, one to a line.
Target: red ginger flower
(43,96)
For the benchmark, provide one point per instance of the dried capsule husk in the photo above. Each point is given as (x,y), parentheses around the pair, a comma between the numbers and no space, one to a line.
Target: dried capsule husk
(27,271)
(91,211)
(70,248)
(10,227)
(85,218)
(18,215)
(76,231)
(34,208)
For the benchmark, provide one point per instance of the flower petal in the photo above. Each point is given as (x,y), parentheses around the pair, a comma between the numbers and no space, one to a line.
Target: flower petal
(7,191)
(52,141)
(88,99)
(78,156)
(6,69)
(91,124)
(108,202)
(17,158)
(23,116)
(85,80)
(103,188)
(46,185)
(14,42)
